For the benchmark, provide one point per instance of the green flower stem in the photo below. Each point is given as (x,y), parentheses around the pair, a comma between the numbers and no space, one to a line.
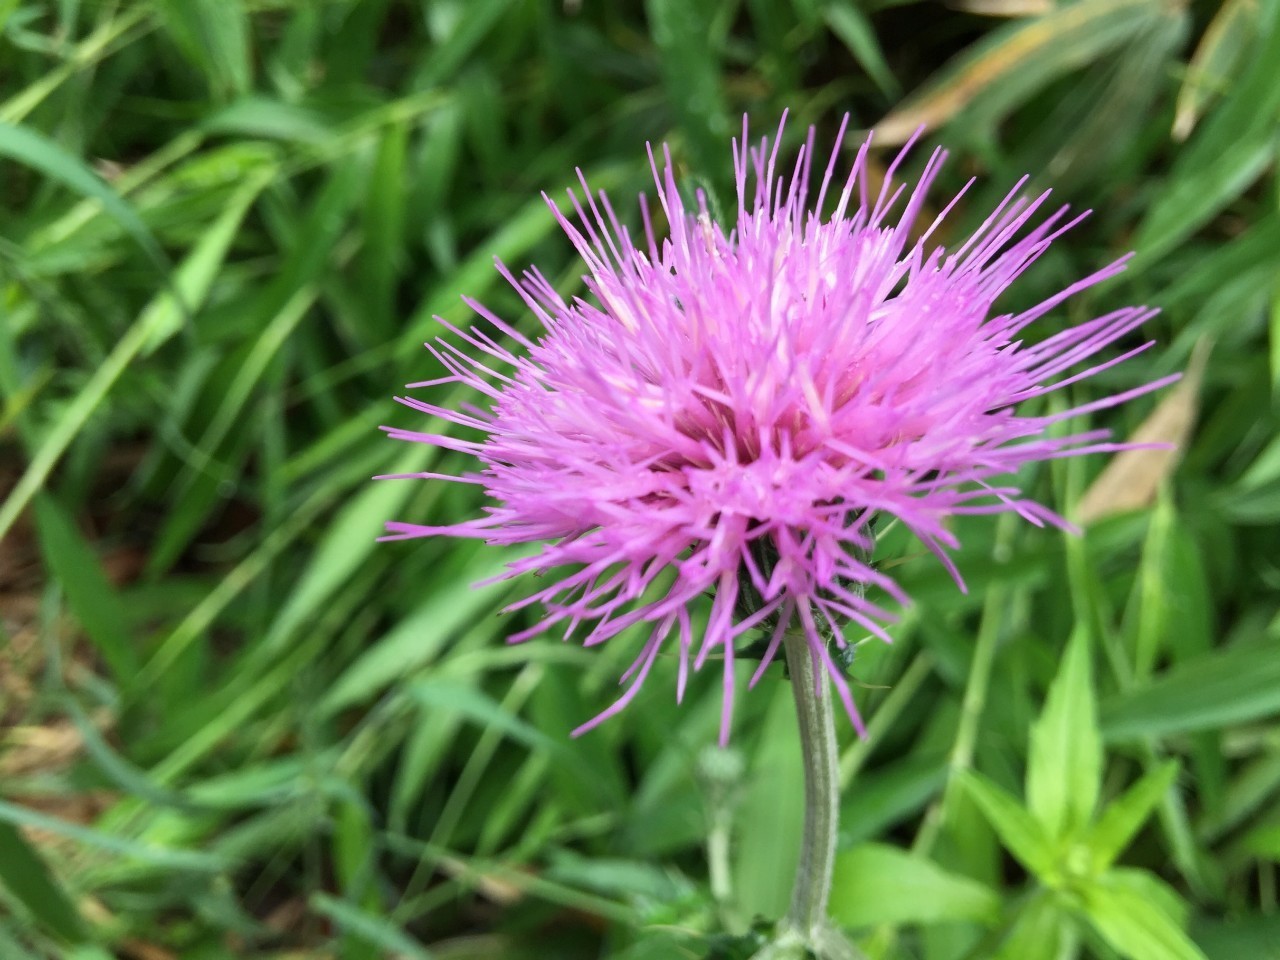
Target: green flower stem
(821,757)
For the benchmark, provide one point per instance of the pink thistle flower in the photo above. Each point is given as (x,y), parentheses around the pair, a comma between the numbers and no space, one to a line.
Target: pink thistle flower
(737,403)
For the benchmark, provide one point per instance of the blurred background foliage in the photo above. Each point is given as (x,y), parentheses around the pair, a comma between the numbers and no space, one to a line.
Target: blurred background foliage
(233,725)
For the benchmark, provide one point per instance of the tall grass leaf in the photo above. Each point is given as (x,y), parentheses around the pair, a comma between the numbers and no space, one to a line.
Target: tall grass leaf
(691,72)
(27,877)
(33,149)
(192,283)
(384,255)
(1215,59)
(247,693)
(875,884)
(112,32)
(1205,177)
(855,31)
(450,603)
(891,794)
(90,595)
(1015,61)
(260,117)
(377,931)
(231,585)
(214,35)
(468,31)
(1064,764)
(284,303)
(1235,685)
(276,313)
(1274,326)
(195,276)
(345,545)
(355,850)
(116,768)
(1119,92)
(464,700)
(159,858)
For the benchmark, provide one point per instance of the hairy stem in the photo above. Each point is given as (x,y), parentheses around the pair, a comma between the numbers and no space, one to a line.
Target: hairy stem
(821,758)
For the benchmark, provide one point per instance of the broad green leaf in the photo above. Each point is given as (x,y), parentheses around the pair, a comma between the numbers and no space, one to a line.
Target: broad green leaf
(1022,835)
(24,873)
(768,823)
(1121,908)
(6,11)
(1064,767)
(1263,841)
(877,884)
(1233,685)
(1251,937)
(1043,930)
(1125,815)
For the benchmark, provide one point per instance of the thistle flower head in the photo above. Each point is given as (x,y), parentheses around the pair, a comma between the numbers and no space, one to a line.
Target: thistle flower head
(731,405)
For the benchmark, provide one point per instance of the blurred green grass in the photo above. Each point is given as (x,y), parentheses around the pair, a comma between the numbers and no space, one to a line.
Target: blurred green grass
(233,725)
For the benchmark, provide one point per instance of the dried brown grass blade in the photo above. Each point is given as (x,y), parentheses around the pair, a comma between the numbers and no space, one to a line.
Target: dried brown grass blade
(1132,479)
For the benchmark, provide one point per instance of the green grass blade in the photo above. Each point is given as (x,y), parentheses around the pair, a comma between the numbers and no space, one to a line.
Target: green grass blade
(27,877)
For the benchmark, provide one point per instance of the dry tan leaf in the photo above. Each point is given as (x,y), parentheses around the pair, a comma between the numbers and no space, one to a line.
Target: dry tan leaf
(500,890)
(1132,478)
(1070,34)
(1226,37)
(1005,8)
(140,950)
